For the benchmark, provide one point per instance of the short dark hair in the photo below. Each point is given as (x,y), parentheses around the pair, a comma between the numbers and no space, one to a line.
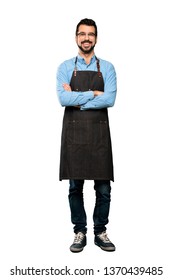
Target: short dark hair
(86,21)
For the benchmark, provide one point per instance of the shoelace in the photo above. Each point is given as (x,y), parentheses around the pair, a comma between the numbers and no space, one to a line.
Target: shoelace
(103,236)
(79,237)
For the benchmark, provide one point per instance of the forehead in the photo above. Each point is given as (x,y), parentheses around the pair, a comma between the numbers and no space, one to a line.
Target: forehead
(86,28)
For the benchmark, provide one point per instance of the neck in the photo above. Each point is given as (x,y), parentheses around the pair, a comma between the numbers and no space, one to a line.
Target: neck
(86,56)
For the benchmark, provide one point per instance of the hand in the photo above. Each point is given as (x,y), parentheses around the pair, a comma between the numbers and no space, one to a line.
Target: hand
(97,92)
(67,87)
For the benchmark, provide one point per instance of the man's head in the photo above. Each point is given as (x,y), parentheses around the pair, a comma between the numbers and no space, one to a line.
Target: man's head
(86,35)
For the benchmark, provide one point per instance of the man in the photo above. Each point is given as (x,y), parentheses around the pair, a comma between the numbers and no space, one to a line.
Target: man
(86,86)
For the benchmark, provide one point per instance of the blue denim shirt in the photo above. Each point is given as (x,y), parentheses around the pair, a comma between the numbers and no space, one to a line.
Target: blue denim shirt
(86,100)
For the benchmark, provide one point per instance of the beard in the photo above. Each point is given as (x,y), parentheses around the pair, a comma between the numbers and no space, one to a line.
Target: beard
(86,51)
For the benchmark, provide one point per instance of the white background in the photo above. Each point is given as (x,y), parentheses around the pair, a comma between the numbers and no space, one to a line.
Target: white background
(36,36)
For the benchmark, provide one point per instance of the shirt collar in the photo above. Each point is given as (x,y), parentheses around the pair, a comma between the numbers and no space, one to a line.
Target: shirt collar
(82,60)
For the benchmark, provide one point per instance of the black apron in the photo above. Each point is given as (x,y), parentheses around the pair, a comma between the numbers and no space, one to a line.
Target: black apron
(86,151)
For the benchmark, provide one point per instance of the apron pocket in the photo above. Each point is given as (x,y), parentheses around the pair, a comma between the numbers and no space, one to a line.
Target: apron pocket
(104,133)
(78,132)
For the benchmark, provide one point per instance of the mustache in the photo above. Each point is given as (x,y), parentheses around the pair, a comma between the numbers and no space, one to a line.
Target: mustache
(86,41)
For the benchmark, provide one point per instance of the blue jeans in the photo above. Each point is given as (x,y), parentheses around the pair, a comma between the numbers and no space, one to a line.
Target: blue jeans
(101,210)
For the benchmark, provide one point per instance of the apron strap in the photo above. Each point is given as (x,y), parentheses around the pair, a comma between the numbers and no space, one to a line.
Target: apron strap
(75,68)
(98,67)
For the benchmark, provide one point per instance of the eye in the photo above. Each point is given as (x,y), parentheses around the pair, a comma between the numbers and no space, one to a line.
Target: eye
(91,34)
(81,34)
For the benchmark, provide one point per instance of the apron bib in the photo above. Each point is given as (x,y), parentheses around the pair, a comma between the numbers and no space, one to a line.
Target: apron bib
(86,151)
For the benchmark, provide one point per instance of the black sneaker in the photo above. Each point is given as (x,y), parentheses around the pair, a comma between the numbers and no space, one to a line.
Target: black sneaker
(103,242)
(79,242)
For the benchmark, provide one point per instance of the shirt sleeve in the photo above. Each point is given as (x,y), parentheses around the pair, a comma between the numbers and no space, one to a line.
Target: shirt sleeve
(107,99)
(70,98)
